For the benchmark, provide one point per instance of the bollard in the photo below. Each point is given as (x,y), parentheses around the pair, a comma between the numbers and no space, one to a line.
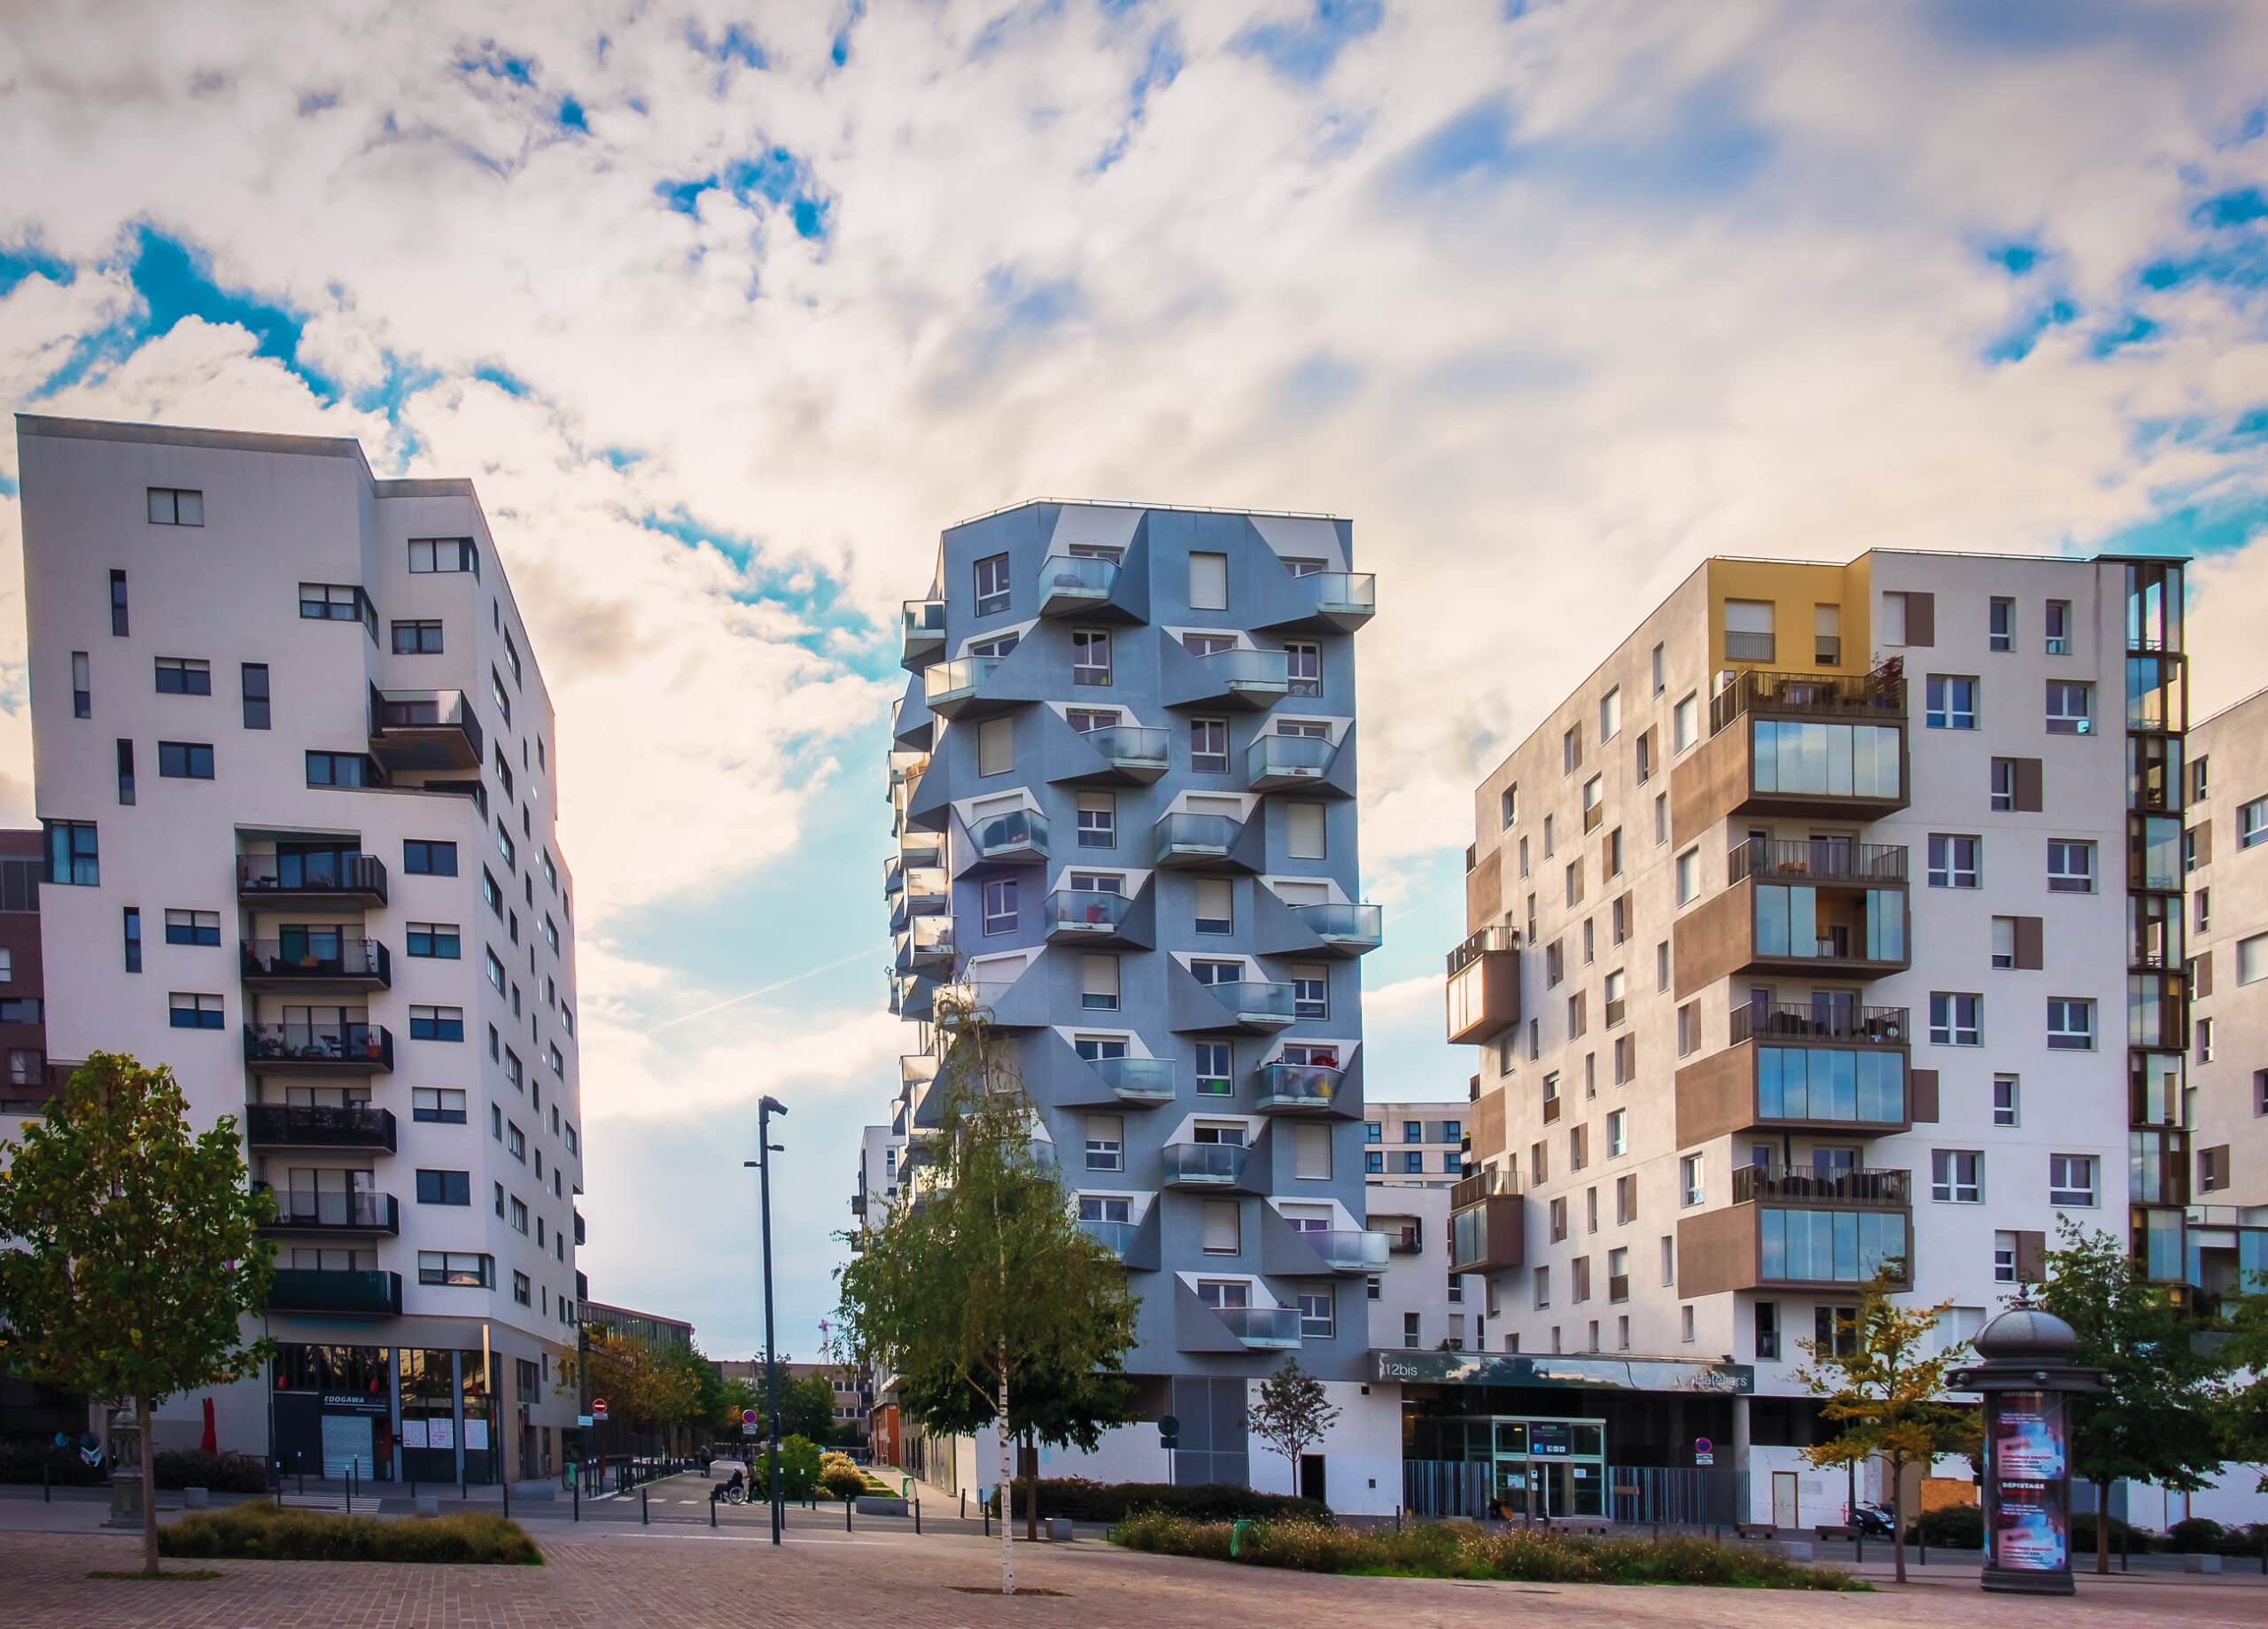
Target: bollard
(2121,1544)
(350,1485)
(987,1508)
(576,1489)
(846,1512)
(713,1511)
(917,1515)
(506,1486)
(1397,1519)
(303,1475)
(964,1516)
(642,1518)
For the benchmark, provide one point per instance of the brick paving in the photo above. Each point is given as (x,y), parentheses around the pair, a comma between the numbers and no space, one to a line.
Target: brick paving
(615,1578)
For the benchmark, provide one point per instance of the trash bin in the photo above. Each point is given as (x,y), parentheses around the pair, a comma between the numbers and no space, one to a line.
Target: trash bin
(1238,1530)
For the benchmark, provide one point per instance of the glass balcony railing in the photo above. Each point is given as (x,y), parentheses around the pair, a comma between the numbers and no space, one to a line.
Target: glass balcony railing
(1346,592)
(927,939)
(1115,1236)
(1137,1080)
(1343,922)
(1262,1326)
(1283,760)
(906,768)
(946,682)
(1296,1085)
(1345,1250)
(347,1044)
(1195,837)
(1244,671)
(893,876)
(362,1294)
(1075,578)
(357,1210)
(1132,746)
(424,711)
(1203,1165)
(1018,833)
(922,623)
(925,893)
(299,1125)
(1076,912)
(1257,1000)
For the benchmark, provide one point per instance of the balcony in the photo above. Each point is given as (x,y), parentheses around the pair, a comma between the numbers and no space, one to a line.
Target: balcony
(1820,859)
(1305,1252)
(332,878)
(906,768)
(926,942)
(1296,1088)
(1289,762)
(307,1211)
(425,730)
(1827,1022)
(315,961)
(922,890)
(1405,1236)
(1880,693)
(1483,986)
(1018,837)
(1487,1224)
(1123,755)
(1075,585)
(912,995)
(277,1125)
(921,631)
(1794,1229)
(1255,1006)
(1199,1327)
(340,1294)
(1323,602)
(1802,930)
(1135,1244)
(911,727)
(1783,1184)
(1833,1072)
(342,1048)
(1140,1083)
(1212,1166)
(1806,746)
(1343,928)
(1254,679)
(1077,916)
(1206,842)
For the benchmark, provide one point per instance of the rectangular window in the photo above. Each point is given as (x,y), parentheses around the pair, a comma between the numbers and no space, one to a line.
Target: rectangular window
(493,895)
(2071,707)
(1208,746)
(443,1187)
(338,602)
(455,1269)
(1570,750)
(197,927)
(1222,1229)
(83,695)
(1303,660)
(1618,1133)
(440,1105)
(184,676)
(181,760)
(2004,1258)
(1215,1069)
(340,769)
(1685,724)
(996,746)
(2070,866)
(118,605)
(1956,1176)
(516,1141)
(1090,657)
(420,857)
(2004,786)
(1689,876)
(2070,1024)
(1659,671)
(1213,906)
(2001,622)
(1956,1019)
(1508,805)
(1106,1142)
(73,856)
(1099,983)
(2004,942)
(2252,823)
(1949,702)
(2057,627)
(2005,1093)
(1749,630)
(126,773)
(520,1287)
(1304,831)
(193,1011)
(437,1023)
(174,506)
(496,694)
(2252,959)
(1311,990)
(1098,817)
(506,850)
(428,554)
(1689,1188)
(1954,861)
(132,931)
(1208,582)
(1001,906)
(417,639)
(254,676)
(2071,1180)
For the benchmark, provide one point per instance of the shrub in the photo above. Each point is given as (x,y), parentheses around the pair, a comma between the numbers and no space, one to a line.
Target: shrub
(1082,1501)
(1956,1527)
(226,1473)
(842,1481)
(20,1462)
(798,1470)
(260,1528)
(2196,1535)
(1465,1550)
(2135,1540)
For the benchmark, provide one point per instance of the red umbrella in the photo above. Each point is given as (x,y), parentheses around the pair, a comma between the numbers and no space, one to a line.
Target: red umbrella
(212,1441)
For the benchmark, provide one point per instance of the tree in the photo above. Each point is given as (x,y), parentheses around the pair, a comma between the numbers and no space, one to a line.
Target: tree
(732,1397)
(984,1283)
(806,1407)
(139,1254)
(1293,1412)
(2160,1414)
(2244,1409)
(650,1390)
(1884,1390)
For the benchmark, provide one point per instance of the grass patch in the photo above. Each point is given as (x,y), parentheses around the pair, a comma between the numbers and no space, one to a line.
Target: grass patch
(262,1530)
(185,1575)
(1465,1550)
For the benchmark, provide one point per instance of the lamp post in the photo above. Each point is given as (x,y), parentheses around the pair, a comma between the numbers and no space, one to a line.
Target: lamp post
(2024,1371)
(765,1149)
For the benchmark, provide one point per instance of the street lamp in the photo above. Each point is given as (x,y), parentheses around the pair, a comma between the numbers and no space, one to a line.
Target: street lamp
(765,1148)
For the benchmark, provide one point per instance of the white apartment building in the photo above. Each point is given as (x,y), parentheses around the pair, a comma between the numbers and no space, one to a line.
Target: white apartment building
(1833,919)
(1413,1144)
(296,769)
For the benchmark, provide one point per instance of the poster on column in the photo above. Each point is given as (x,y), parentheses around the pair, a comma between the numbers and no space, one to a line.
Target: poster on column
(2030,1528)
(2032,1520)
(2028,1437)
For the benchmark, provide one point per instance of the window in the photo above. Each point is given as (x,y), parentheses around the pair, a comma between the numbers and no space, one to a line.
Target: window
(1208,746)
(2070,708)
(255,695)
(504,773)
(1090,657)
(1311,990)
(443,1187)
(551,1055)
(417,639)
(1099,983)
(2004,942)
(516,1141)
(2004,1258)
(1549,847)
(1661,964)
(1508,803)
(438,1104)
(1659,666)
(2252,959)
(340,769)
(1685,724)
(202,927)
(1593,803)
(2070,866)
(1688,1180)
(1956,1176)
(520,1288)
(493,894)
(1748,631)
(1953,861)
(1001,906)
(1689,876)
(1207,644)
(495,969)
(1618,1133)
(82,693)
(1303,660)
(1570,750)
(1222,1233)
(132,932)
(1835,1331)
(1208,582)
(2001,624)
(1215,905)
(192,1012)
(427,555)
(551,938)
(1956,1019)
(336,602)
(1215,1069)
(1688,1028)
(496,694)
(420,857)
(1950,703)
(2005,1088)
(1661,818)
(181,760)
(126,773)
(1098,819)
(1106,1143)
(2071,1180)
(2004,786)
(1643,753)
(2252,823)
(184,676)
(1303,831)
(2070,1024)
(437,1023)
(996,746)
(455,1269)
(1610,714)
(2057,627)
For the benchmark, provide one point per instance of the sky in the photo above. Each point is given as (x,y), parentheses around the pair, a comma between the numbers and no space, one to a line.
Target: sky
(729,309)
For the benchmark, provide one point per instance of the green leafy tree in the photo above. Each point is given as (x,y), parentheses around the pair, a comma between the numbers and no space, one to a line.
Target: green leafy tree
(986,1284)
(2160,1417)
(2244,1409)
(1885,1386)
(137,1251)
(1291,1412)
(806,1407)
(733,1396)
(798,1461)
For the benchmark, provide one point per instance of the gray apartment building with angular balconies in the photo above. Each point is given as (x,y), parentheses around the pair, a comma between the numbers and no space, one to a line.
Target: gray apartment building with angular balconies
(1123,788)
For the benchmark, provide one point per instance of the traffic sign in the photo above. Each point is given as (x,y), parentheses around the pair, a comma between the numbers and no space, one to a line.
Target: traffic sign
(598,1409)
(747,1416)
(1704,1451)
(1168,1432)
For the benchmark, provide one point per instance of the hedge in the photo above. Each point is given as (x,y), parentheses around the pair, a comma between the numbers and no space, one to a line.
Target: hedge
(223,1473)
(1953,1527)
(261,1530)
(1466,1550)
(1082,1501)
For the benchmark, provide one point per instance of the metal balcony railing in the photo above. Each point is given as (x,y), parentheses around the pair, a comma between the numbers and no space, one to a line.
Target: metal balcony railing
(352,1212)
(286,1045)
(1488,942)
(312,1126)
(1483,1185)
(336,872)
(1786,1020)
(317,957)
(1881,691)
(1818,860)
(1801,1185)
(425,709)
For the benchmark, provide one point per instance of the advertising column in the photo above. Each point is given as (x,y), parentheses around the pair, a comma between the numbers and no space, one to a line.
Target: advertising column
(2029,1470)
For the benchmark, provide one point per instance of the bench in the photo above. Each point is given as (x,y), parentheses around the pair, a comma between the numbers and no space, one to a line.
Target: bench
(1588,1526)
(1833,1530)
(1754,1530)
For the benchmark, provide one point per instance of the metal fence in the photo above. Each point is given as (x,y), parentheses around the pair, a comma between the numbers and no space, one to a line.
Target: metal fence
(1638,1495)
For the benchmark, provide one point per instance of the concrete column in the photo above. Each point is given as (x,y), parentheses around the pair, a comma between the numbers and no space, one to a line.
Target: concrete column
(1741,1454)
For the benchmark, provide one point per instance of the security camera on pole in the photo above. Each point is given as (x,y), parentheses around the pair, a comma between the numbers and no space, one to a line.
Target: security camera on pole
(765,1149)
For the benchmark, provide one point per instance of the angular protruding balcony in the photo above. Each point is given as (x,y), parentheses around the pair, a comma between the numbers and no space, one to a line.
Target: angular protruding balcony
(1133,754)
(281,1125)
(1240,677)
(1135,1244)
(1209,842)
(1488,1229)
(921,625)
(1009,996)
(347,1047)
(912,726)
(1276,763)
(1829,1069)
(1304,1253)
(1483,986)
(305,1210)
(1018,837)
(947,687)
(912,995)
(423,729)
(1343,928)
(1256,1007)
(1261,1329)
(926,942)
(338,1293)
(1077,585)
(1139,1082)
(906,768)
(1848,922)
(315,961)
(1333,602)
(332,877)
(1796,1229)
(1079,916)
(1296,1088)
(922,890)
(1213,1166)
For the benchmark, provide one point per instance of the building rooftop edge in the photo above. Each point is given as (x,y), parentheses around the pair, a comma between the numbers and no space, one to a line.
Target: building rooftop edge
(177,435)
(1128,503)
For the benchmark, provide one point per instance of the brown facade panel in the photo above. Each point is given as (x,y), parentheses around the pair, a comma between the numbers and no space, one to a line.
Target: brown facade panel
(1921,1095)
(1716,1096)
(2201,840)
(2031,1257)
(1708,783)
(1921,619)
(1488,1125)
(2201,975)
(2028,787)
(1484,892)
(1483,998)
(2031,943)
(1716,1251)
(1714,938)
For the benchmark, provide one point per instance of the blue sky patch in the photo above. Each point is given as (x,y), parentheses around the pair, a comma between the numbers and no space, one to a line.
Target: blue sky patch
(1476,141)
(2241,207)
(1320,383)
(8,487)
(736,44)
(1307,49)
(622,457)
(812,596)
(498,64)
(510,383)
(2021,339)
(2016,258)
(31,259)
(839,52)
(2136,330)
(570,115)
(1160,69)
(2220,526)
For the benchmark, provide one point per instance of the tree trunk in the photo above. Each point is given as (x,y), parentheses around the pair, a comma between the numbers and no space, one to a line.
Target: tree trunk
(2102,1525)
(149,1491)
(1898,1515)
(1031,1495)
(1007,1484)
